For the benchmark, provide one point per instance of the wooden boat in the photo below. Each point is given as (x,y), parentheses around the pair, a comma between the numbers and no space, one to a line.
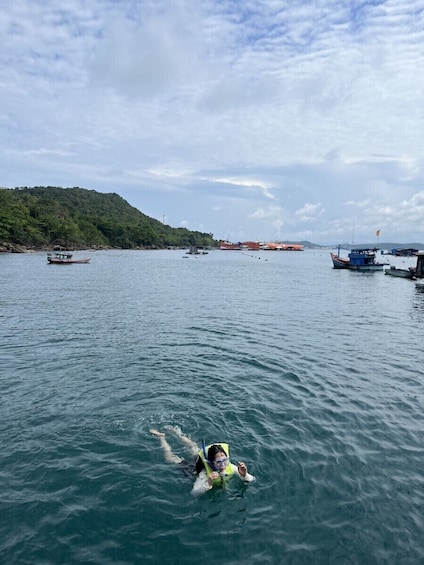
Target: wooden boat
(339,262)
(402,273)
(64,258)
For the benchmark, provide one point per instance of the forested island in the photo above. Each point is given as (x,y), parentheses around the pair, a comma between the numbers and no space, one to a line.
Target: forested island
(77,218)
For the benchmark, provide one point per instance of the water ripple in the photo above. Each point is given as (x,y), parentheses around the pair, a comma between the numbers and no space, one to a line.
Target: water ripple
(316,383)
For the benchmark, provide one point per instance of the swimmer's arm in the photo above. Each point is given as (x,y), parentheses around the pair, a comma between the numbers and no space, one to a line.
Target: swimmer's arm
(248,478)
(201,484)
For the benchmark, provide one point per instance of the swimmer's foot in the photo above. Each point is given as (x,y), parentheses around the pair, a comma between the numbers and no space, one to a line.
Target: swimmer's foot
(157,433)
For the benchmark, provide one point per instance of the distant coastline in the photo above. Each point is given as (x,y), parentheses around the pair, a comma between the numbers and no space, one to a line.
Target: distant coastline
(10,247)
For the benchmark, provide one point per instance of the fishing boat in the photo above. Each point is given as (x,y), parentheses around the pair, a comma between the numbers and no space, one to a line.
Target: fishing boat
(364,259)
(64,258)
(360,259)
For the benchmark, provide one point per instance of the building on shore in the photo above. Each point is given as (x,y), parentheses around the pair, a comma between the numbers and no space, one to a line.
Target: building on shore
(260,246)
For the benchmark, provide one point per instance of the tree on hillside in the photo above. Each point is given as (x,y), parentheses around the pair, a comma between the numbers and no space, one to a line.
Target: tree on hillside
(76,217)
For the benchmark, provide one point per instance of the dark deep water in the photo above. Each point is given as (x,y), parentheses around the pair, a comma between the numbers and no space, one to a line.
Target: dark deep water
(313,376)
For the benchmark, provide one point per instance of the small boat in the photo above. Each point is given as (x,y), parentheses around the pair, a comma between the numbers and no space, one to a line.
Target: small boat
(402,273)
(64,258)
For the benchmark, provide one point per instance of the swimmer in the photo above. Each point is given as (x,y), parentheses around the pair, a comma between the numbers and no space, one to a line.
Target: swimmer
(212,467)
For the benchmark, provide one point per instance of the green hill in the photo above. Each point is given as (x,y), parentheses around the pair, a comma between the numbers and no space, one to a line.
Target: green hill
(77,218)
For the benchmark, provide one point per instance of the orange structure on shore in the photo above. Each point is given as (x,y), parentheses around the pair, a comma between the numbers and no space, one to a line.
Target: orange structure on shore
(260,246)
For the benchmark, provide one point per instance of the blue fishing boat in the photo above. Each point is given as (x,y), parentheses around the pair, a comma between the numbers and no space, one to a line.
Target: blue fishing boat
(360,259)
(365,260)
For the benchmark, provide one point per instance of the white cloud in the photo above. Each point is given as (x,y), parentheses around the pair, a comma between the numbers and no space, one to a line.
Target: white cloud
(310,212)
(222,106)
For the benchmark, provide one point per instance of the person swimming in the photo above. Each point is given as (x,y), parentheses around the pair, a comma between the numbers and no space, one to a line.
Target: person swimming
(212,467)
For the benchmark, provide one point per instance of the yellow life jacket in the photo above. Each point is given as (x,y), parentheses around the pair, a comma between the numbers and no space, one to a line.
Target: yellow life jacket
(226,473)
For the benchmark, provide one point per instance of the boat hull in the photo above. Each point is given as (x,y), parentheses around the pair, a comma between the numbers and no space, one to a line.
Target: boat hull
(54,261)
(65,258)
(401,273)
(339,262)
(367,268)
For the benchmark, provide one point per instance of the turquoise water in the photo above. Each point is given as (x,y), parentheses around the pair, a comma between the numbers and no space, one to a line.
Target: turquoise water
(313,376)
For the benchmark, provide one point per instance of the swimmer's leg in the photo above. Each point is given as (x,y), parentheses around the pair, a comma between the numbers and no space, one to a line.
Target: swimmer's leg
(186,440)
(167,451)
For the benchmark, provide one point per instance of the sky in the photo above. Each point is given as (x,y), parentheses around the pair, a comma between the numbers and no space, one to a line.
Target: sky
(271,120)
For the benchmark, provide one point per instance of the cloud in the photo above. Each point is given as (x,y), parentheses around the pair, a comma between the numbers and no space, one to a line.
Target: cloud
(316,108)
(146,56)
(249,183)
(269,213)
(358,204)
(310,212)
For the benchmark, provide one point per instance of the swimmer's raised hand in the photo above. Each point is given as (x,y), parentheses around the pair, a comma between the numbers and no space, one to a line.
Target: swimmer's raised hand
(242,469)
(214,475)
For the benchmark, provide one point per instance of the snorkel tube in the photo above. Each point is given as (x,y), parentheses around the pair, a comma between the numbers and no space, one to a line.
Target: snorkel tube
(205,455)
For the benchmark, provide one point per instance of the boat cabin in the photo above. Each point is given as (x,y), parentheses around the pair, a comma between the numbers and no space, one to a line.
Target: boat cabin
(361,257)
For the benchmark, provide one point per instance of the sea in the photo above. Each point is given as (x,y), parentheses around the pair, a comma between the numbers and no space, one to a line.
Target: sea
(313,376)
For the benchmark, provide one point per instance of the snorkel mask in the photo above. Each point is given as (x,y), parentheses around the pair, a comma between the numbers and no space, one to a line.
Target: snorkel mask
(219,465)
